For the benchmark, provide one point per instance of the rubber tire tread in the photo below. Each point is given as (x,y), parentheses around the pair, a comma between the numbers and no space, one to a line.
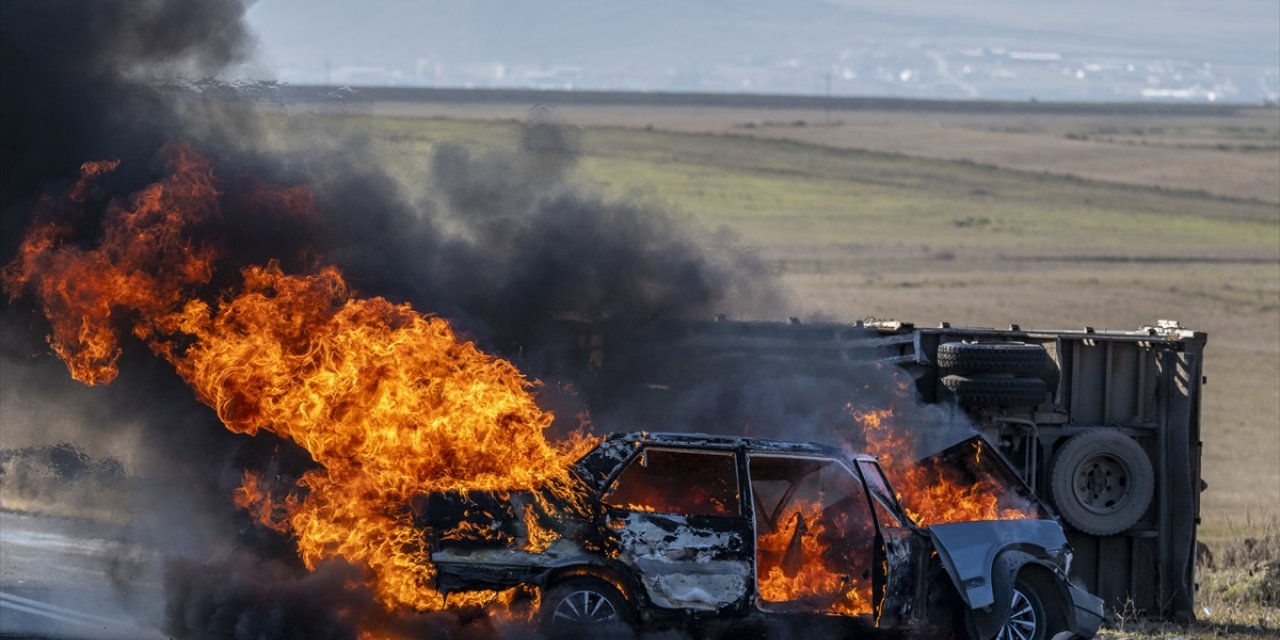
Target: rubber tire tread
(993,391)
(1016,358)
(1075,452)
(965,629)
(551,595)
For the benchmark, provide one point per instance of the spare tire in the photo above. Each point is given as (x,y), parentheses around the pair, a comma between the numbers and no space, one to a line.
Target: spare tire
(1016,358)
(1102,482)
(983,391)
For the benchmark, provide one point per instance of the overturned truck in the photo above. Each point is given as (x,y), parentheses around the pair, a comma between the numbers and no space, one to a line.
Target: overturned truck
(1102,426)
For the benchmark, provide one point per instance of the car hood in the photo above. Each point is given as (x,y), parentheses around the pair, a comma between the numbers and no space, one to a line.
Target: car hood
(968,550)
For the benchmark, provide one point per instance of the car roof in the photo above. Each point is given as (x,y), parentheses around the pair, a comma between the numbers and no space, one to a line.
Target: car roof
(608,456)
(733,442)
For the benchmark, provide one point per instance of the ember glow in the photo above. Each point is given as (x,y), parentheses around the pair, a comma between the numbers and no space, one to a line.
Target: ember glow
(389,402)
(936,494)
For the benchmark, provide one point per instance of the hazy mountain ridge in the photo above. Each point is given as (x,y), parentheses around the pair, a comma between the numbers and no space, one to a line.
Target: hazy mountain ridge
(931,49)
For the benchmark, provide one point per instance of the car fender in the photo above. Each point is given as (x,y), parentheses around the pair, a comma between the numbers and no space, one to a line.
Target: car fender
(968,551)
(988,620)
(612,572)
(983,558)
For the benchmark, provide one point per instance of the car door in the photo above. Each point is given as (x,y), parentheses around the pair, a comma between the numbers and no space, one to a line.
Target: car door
(676,518)
(815,536)
(901,550)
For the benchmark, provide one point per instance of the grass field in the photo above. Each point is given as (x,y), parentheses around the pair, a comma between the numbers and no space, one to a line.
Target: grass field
(988,237)
(857,233)
(1229,152)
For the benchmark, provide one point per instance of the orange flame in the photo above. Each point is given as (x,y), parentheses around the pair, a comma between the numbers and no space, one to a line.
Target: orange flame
(144,263)
(806,577)
(935,494)
(538,536)
(389,402)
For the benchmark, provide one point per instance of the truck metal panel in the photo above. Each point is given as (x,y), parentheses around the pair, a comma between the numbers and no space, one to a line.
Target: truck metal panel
(1146,384)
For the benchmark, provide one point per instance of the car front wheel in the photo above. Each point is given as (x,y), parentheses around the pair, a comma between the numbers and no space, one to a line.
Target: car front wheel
(1026,616)
(1029,618)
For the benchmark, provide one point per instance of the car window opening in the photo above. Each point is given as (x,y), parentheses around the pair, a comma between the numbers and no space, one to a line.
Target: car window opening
(686,483)
(814,536)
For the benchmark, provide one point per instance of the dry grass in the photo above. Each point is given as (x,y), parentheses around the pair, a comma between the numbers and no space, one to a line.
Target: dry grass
(1239,593)
(857,234)
(1235,154)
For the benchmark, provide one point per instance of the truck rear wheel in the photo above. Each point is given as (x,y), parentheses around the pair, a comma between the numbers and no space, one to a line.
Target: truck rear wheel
(1102,482)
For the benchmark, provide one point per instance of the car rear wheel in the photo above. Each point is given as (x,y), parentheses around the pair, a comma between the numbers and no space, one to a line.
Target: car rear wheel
(584,605)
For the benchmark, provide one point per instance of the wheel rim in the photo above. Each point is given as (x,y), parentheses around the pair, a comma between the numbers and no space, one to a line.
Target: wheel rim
(1102,484)
(584,607)
(1023,623)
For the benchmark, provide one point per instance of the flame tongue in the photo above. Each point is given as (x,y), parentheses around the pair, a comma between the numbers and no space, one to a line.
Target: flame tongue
(144,262)
(792,564)
(938,494)
(389,402)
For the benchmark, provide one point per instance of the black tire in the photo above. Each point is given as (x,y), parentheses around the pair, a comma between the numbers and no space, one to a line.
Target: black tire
(1102,482)
(1029,618)
(990,391)
(1014,358)
(585,607)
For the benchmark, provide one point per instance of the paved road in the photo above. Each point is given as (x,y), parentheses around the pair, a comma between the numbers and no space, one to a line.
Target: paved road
(73,579)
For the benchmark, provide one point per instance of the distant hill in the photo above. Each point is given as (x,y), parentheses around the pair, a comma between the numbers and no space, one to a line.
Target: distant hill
(1086,49)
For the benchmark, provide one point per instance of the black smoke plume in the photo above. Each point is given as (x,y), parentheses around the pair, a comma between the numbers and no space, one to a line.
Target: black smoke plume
(75,76)
(503,244)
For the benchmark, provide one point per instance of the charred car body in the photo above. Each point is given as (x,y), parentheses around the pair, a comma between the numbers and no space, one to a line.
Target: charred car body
(736,532)
(1103,426)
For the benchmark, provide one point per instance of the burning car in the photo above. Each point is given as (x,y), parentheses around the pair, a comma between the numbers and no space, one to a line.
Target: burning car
(713,531)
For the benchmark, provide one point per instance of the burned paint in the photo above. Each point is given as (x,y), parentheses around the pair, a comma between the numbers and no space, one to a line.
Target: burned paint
(699,567)
(902,570)
(674,566)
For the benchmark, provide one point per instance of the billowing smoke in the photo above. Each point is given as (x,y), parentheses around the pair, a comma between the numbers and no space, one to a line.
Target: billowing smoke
(502,244)
(77,77)
(572,286)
